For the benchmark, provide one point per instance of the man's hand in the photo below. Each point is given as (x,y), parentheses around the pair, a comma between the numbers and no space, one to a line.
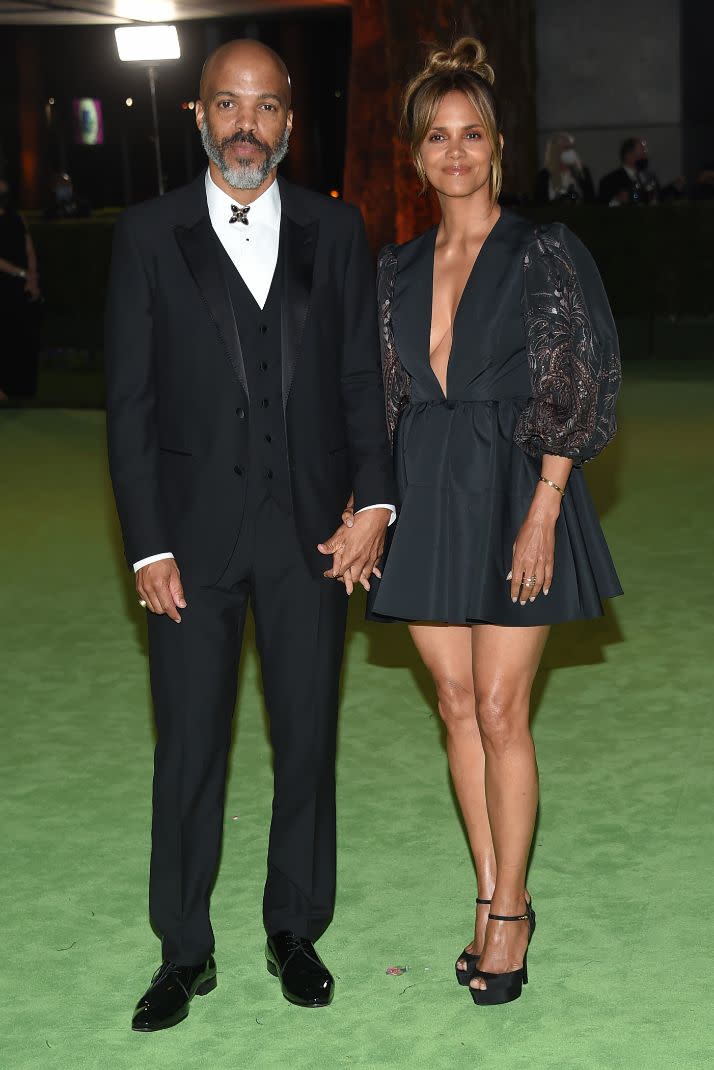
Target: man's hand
(356,549)
(159,585)
(348,517)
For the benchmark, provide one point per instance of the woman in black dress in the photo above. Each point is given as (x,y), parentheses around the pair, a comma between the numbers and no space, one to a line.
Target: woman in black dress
(19,287)
(501,370)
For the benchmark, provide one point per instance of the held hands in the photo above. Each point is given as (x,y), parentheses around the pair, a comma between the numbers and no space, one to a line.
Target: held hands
(159,586)
(534,548)
(356,546)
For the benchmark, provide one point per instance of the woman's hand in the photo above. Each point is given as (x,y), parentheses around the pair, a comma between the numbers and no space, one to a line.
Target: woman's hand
(534,548)
(32,286)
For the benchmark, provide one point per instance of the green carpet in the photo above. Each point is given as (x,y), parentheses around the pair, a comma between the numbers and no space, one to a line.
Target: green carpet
(622,870)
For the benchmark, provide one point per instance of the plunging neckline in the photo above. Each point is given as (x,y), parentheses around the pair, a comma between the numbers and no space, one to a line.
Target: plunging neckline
(469,277)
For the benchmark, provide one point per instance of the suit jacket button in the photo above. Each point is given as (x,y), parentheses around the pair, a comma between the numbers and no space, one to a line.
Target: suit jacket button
(240,413)
(269,474)
(238,470)
(264,403)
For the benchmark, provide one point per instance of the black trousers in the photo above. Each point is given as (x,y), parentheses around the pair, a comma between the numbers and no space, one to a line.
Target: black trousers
(300,627)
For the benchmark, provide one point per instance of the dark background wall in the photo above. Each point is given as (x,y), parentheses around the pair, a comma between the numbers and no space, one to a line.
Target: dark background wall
(697,56)
(608,71)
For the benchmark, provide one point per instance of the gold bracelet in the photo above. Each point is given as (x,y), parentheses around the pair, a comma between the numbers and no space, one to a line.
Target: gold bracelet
(561,492)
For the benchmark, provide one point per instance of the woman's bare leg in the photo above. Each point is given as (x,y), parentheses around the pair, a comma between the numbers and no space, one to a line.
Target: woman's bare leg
(505,661)
(447,653)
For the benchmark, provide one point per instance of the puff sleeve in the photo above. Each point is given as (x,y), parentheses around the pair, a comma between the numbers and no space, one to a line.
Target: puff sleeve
(572,348)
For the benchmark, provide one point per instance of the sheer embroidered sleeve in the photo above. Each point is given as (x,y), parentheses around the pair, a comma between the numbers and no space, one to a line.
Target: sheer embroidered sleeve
(397,383)
(573,352)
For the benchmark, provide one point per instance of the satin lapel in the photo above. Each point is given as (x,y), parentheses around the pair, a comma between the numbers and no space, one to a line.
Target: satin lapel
(298,249)
(411,307)
(199,246)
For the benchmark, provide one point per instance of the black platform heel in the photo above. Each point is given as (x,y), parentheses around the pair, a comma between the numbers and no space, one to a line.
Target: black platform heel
(464,976)
(505,987)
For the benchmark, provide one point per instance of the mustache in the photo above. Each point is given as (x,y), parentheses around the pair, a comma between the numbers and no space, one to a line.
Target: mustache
(245,139)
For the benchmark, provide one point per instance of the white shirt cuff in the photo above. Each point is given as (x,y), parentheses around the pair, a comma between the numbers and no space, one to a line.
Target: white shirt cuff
(381,505)
(150,560)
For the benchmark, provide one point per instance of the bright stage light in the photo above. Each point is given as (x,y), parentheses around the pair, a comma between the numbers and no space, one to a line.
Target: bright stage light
(147,44)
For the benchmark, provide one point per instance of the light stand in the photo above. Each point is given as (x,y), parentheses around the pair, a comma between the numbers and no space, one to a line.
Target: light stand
(150,45)
(152,73)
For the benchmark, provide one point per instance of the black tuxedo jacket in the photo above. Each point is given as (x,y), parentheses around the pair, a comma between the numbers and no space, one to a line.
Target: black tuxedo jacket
(177,393)
(618,181)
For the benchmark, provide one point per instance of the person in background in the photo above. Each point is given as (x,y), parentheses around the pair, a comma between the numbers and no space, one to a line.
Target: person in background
(564,178)
(632,182)
(65,203)
(19,286)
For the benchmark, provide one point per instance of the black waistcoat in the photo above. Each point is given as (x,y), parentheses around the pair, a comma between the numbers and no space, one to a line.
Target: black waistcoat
(268,467)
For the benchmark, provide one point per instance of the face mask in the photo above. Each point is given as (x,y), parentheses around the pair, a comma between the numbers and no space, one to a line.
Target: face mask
(569,157)
(642,164)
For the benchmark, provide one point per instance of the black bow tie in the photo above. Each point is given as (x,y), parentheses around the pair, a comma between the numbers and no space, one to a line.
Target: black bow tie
(240,215)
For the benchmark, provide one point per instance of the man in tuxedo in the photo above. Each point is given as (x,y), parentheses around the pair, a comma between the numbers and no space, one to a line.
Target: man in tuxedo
(633,182)
(244,408)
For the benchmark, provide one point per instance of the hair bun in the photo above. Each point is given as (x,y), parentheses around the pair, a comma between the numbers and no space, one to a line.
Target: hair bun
(466,54)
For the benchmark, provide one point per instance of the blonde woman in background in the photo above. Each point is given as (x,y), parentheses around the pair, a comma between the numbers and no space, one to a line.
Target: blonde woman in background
(564,177)
(501,371)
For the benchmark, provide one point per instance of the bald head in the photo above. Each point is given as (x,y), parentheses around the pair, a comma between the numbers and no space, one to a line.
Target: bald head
(244,59)
(244,115)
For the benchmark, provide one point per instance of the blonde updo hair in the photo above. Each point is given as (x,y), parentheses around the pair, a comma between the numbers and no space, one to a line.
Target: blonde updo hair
(462,69)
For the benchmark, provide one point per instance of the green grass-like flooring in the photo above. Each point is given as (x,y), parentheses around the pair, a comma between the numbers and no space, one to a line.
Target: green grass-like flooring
(622,873)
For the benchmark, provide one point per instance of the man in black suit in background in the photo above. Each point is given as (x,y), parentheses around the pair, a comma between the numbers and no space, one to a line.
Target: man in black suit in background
(632,182)
(244,407)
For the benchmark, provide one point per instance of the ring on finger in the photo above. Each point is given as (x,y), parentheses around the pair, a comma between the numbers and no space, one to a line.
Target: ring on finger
(142,603)
(530,582)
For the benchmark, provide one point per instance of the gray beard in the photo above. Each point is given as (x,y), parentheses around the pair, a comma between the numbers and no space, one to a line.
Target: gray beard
(245,176)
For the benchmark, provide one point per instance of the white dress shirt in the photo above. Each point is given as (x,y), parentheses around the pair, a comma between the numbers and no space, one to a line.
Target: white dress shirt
(253,247)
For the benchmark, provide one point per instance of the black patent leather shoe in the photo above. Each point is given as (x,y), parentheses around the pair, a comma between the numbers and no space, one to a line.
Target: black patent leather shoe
(304,978)
(166,1001)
